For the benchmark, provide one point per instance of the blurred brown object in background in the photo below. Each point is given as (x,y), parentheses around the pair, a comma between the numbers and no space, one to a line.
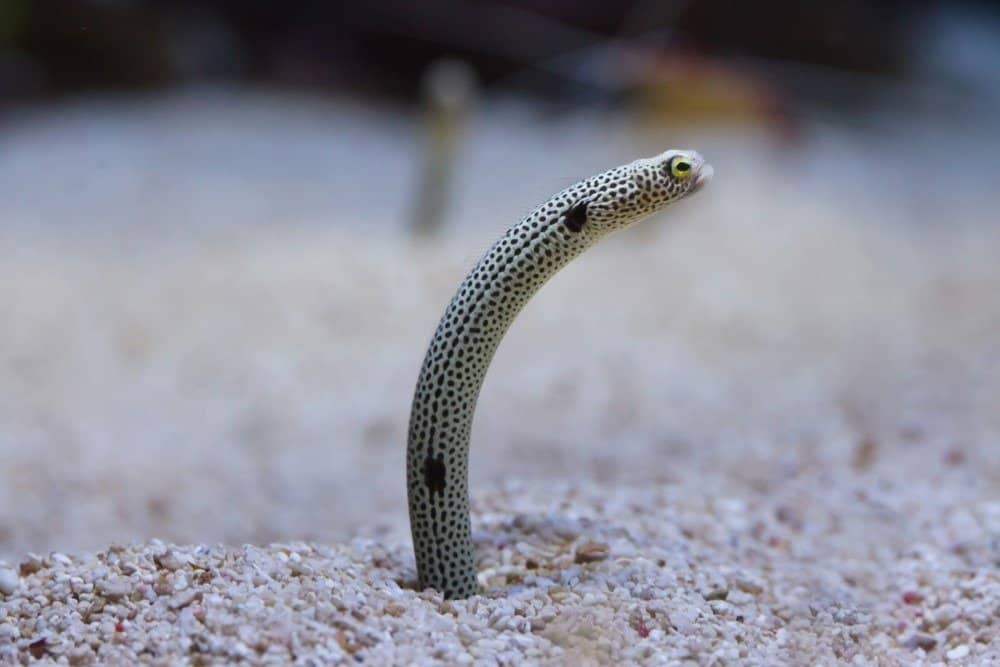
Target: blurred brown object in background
(675,88)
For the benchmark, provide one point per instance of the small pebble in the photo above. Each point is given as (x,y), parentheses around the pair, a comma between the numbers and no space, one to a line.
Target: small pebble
(748,586)
(958,652)
(168,561)
(114,588)
(922,641)
(9,581)
(591,552)
(31,565)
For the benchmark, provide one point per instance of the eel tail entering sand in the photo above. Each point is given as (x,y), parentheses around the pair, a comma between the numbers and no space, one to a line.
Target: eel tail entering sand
(486,303)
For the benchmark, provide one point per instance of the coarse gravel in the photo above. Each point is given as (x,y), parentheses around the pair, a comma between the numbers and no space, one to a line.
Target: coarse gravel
(643,575)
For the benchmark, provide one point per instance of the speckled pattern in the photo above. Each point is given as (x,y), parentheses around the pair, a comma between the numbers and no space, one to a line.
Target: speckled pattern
(475,321)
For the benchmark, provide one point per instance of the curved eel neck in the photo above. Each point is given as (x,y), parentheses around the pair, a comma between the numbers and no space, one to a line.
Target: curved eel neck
(452,374)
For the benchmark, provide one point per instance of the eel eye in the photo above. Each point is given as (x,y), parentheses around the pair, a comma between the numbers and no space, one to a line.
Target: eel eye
(680,168)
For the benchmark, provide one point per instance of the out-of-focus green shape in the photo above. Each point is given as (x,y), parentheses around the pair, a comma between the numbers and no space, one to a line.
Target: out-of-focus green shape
(13,20)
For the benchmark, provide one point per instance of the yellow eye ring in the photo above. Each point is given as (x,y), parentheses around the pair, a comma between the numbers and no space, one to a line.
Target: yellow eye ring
(680,168)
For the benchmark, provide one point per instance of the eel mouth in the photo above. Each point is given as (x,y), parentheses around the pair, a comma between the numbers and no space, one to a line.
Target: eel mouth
(703,177)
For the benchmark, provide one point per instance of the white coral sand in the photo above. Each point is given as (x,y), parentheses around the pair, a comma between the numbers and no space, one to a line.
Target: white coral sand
(761,429)
(648,574)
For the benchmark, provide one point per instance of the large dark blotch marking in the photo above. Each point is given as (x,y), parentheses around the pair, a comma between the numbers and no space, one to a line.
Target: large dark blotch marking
(434,473)
(576,217)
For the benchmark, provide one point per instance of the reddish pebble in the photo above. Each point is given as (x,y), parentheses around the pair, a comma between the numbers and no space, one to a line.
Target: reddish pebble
(912,597)
(642,628)
(119,627)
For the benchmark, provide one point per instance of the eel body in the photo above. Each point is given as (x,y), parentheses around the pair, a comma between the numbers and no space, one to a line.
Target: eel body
(479,314)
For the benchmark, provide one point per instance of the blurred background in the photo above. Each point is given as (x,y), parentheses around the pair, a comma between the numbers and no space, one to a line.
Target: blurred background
(228,228)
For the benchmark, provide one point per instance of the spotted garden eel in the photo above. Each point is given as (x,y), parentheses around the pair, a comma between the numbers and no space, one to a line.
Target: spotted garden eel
(486,303)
